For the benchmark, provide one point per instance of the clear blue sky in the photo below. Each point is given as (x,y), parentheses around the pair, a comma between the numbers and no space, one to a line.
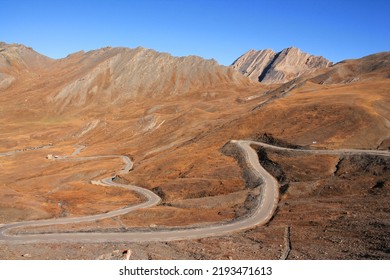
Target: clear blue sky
(223,30)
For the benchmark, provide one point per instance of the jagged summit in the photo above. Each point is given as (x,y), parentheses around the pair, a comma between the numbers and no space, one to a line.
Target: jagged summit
(269,67)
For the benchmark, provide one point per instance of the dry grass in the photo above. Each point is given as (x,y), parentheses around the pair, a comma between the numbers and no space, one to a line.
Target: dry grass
(175,142)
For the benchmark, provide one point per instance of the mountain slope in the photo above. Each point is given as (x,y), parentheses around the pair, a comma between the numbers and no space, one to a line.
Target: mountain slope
(109,75)
(374,66)
(345,104)
(17,60)
(269,67)
(172,116)
(119,74)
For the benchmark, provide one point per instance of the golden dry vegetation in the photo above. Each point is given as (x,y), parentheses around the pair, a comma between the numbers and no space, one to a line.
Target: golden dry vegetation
(175,139)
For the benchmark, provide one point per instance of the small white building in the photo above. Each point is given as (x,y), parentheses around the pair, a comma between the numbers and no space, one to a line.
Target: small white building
(51,157)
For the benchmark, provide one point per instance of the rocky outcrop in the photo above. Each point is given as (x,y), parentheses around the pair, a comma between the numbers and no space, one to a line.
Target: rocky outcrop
(5,81)
(269,67)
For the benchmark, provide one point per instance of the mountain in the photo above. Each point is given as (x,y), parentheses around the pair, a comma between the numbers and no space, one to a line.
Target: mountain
(344,92)
(368,69)
(268,67)
(375,66)
(120,74)
(173,116)
(112,75)
(17,60)
(115,74)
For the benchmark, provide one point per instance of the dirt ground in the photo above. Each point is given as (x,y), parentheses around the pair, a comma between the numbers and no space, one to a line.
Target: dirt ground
(331,207)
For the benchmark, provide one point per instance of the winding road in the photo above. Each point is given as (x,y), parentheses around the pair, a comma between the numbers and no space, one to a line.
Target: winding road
(260,215)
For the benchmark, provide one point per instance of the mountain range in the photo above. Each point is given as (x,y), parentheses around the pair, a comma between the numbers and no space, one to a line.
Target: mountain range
(174,117)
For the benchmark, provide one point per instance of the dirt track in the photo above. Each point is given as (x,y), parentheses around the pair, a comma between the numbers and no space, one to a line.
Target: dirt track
(260,215)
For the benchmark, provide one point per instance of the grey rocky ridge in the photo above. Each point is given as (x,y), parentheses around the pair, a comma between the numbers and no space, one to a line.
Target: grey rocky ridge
(270,67)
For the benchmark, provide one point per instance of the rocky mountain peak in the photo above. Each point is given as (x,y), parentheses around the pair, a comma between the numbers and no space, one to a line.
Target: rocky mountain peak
(270,67)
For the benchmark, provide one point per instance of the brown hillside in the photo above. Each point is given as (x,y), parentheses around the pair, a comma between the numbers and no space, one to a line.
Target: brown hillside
(173,116)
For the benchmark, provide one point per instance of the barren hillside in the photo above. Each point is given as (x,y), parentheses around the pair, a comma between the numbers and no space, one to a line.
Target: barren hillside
(172,116)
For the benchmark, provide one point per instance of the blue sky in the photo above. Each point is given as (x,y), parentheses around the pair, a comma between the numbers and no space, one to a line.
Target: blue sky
(223,30)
